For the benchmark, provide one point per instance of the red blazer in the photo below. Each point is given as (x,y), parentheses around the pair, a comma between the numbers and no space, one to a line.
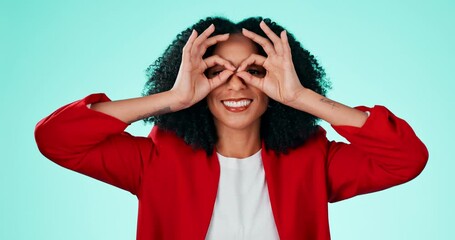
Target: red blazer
(177,186)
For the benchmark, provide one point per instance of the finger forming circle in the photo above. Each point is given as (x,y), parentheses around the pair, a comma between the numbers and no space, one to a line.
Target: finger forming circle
(265,43)
(278,45)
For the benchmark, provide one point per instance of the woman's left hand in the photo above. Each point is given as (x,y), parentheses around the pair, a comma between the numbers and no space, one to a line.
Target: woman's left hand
(281,82)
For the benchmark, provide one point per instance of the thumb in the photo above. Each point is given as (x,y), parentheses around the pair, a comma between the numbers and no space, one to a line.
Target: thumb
(220,79)
(250,79)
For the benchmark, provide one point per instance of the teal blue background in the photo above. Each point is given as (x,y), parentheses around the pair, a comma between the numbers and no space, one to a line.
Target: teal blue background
(394,53)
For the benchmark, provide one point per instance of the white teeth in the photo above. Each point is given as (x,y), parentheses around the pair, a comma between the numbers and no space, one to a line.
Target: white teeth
(241,103)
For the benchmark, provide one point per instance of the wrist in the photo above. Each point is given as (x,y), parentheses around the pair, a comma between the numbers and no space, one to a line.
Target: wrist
(296,99)
(177,100)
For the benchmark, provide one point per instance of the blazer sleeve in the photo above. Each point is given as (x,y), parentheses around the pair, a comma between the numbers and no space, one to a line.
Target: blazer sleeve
(384,152)
(94,144)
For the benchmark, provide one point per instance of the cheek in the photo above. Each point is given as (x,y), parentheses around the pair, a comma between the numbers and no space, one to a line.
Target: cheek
(264,98)
(264,103)
(211,100)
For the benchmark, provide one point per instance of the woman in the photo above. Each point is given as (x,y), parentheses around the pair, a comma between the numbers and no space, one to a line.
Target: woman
(235,152)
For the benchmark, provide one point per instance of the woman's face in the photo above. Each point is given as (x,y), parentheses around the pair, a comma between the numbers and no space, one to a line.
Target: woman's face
(234,104)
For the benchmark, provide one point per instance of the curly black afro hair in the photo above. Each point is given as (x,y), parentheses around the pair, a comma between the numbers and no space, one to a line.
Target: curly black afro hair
(282,127)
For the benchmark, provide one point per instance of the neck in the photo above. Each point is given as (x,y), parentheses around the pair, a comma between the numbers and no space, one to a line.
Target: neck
(238,143)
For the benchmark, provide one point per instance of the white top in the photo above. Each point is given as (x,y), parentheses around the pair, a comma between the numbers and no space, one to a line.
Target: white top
(242,206)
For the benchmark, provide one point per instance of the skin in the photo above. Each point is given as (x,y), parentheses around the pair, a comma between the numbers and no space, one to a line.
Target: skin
(239,132)
(280,82)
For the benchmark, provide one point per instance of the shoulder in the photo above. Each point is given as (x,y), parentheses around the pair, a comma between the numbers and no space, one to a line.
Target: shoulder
(317,144)
(168,141)
(317,140)
(161,136)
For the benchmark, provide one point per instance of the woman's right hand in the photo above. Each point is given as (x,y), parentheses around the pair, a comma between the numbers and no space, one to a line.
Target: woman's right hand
(191,85)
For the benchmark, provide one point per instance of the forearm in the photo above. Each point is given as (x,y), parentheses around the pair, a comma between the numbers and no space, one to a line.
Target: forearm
(333,112)
(134,109)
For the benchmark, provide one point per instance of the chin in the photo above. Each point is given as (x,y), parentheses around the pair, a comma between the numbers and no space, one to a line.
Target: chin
(237,122)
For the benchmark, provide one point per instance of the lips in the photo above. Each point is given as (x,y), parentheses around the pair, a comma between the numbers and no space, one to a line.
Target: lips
(236,105)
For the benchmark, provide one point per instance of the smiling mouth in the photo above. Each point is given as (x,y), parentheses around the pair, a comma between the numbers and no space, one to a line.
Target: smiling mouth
(237,105)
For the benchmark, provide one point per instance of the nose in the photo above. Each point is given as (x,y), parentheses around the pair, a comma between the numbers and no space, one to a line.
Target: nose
(236,83)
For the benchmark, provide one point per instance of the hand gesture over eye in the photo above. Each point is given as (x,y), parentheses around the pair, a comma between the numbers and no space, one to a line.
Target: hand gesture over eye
(191,84)
(280,81)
